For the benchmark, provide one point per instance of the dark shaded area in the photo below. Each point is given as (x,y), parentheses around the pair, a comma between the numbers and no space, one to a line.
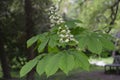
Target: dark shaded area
(93,75)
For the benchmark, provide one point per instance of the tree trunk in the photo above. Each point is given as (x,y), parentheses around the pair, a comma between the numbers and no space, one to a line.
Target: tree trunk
(114,51)
(3,58)
(29,33)
(31,55)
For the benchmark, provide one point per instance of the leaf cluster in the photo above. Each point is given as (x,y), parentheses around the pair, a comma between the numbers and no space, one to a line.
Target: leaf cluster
(70,56)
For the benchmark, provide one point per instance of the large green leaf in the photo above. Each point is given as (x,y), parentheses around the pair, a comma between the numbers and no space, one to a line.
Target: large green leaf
(82,42)
(107,43)
(54,29)
(67,62)
(53,41)
(42,64)
(28,67)
(32,41)
(105,39)
(42,45)
(77,30)
(94,45)
(81,60)
(43,36)
(53,50)
(41,67)
(72,23)
(53,64)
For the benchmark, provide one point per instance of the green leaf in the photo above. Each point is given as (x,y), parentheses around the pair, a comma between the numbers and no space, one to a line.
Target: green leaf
(28,67)
(77,30)
(72,23)
(41,67)
(39,56)
(32,41)
(53,50)
(43,36)
(66,63)
(53,65)
(82,42)
(94,45)
(107,43)
(54,29)
(42,45)
(42,64)
(53,41)
(81,60)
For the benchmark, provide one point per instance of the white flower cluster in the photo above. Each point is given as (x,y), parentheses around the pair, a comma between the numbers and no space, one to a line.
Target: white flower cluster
(63,32)
(65,35)
(55,19)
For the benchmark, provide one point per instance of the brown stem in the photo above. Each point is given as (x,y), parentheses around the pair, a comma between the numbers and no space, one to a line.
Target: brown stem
(29,33)
(114,11)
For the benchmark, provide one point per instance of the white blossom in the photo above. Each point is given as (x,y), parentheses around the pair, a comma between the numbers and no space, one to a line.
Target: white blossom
(61,21)
(76,41)
(68,31)
(71,36)
(60,28)
(72,39)
(61,35)
(66,35)
(63,31)
(67,40)
(61,40)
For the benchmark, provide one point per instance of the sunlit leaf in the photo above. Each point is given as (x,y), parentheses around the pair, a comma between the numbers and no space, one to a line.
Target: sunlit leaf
(94,45)
(53,50)
(81,60)
(82,42)
(107,43)
(66,63)
(28,67)
(53,41)
(72,23)
(53,64)
(32,41)
(42,64)
(42,45)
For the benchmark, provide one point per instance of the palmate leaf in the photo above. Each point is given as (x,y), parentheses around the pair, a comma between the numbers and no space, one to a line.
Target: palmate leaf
(107,43)
(94,45)
(105,40)
(53,50)
(54,29)
(42,45)
(72,23)
(42,64)
(53,64)
(53,41)
(32,41)
(67,62)
(95,42)
(28,67)
(81,60)
(82,42)
(77,30)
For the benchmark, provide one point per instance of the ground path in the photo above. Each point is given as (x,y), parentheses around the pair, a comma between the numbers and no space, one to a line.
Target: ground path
(94,75)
